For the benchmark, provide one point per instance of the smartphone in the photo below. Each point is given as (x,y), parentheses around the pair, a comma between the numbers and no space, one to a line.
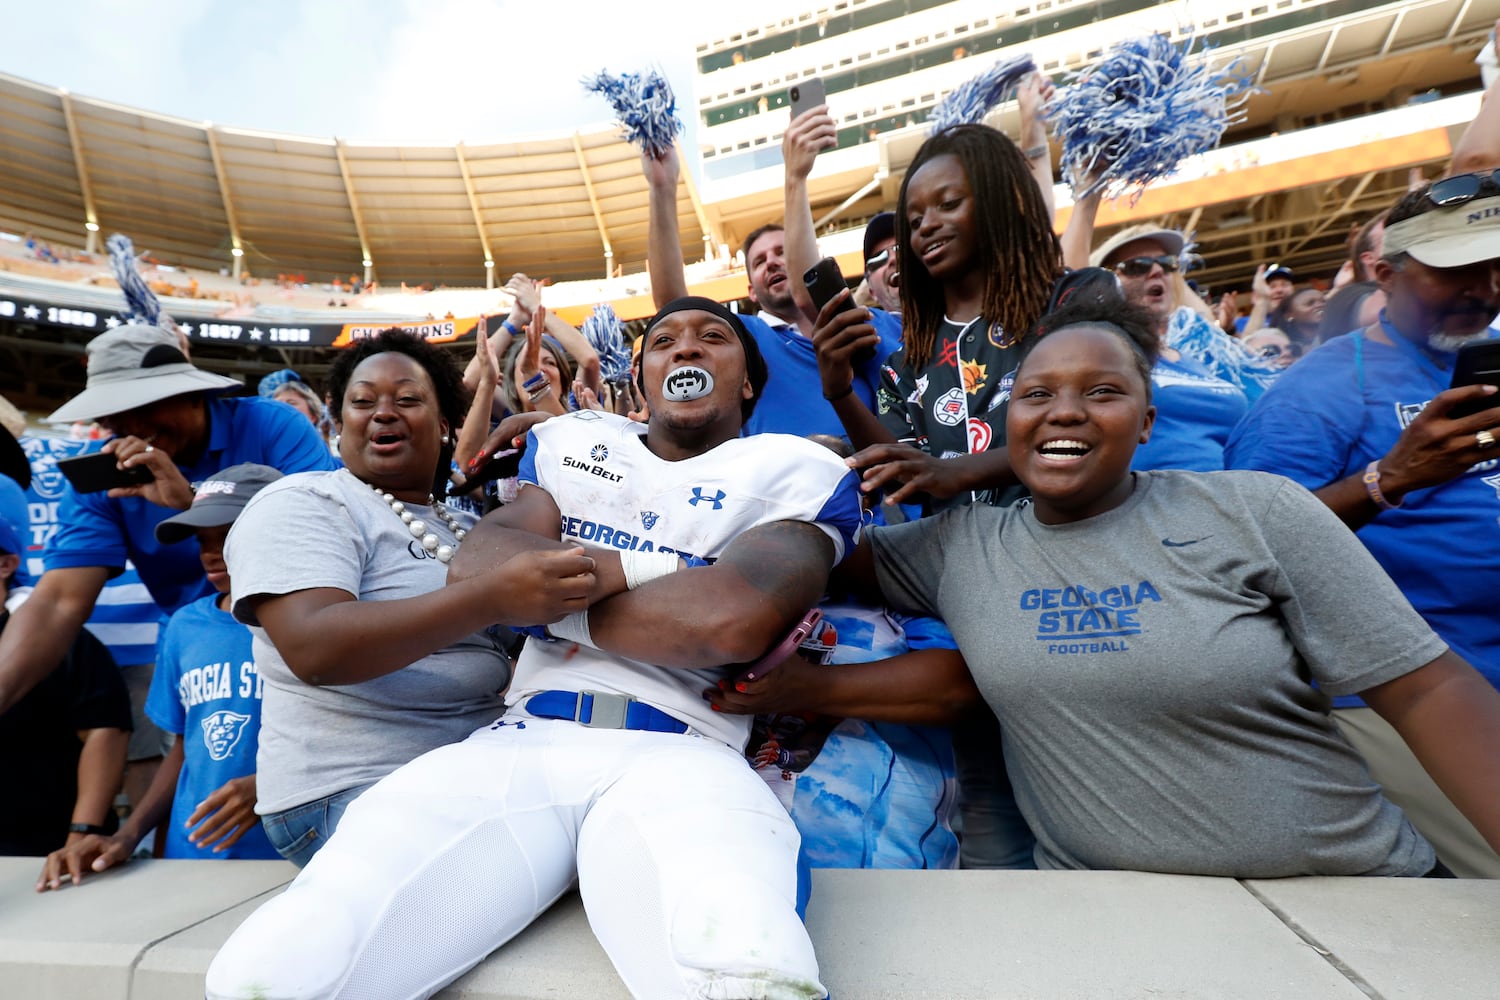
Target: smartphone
(786,647)
(1478,364)
(824,280)
(807,95)
(99,471)
(501,465)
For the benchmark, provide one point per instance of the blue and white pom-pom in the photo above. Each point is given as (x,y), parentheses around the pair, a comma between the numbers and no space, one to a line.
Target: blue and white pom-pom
(141,304)
(644,106)
(606,334)
(1132,117)
(969,102)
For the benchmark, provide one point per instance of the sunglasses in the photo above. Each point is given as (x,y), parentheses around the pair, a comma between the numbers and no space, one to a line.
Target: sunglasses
(1271,351)
(1137,267)
(878,261)
(1463,188)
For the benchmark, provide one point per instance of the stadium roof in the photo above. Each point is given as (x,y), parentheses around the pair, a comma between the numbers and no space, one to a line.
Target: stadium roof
(559,204)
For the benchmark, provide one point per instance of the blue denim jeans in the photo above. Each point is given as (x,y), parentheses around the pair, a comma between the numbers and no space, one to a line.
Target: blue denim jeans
(298,832)
(995,834)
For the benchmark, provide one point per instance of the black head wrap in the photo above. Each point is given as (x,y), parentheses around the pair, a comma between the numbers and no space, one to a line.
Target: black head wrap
(755,364)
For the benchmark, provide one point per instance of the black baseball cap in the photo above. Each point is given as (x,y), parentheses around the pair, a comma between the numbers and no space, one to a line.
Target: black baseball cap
(882,227)
(219,500)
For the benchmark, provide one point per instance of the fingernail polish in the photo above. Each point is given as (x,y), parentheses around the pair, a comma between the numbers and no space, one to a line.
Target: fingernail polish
(741,687)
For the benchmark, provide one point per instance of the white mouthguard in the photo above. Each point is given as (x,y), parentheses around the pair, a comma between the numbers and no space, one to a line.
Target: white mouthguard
(687,383)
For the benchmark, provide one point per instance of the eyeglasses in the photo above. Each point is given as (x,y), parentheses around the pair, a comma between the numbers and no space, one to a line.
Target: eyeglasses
(1463,188)
(1137,267)
(878,261)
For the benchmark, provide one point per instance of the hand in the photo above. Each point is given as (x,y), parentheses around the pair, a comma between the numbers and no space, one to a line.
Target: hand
(838,337)
(768,755)
(167,488)
(225,816)
(540,586)
(810,133)
(587,400)
(529,363)
(635,402)
(510,433)
(1343,277)
(791,687)
(1260,287)
(1229,311)
(483,369)
(527,297)
(1032,96)
(662,172)
(90,852)
(1435,447)
(911,471)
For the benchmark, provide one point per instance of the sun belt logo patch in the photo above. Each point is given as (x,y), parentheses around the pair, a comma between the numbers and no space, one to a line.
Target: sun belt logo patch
(599,453)
(222,731)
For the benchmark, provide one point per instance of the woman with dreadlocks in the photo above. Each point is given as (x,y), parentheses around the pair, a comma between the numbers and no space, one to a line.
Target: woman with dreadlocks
(978,260)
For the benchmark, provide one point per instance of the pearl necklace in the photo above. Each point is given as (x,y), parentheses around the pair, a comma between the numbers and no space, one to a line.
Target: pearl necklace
(418,527)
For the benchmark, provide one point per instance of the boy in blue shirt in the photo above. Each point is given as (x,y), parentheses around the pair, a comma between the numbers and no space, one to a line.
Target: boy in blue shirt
(207,691)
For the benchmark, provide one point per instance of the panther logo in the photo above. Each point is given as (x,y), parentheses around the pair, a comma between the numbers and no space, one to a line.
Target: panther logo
(222,731)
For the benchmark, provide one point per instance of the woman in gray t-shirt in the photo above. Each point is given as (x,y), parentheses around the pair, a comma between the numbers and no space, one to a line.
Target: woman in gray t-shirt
(368,659)
(1160,646)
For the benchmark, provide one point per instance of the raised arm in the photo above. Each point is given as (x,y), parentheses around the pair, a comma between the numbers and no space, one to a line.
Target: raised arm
(730,612)
(1479,147)
(1032,96)
(810,132)
(663,242)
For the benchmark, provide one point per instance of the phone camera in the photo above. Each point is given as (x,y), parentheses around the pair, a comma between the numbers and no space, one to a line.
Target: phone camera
(796,93)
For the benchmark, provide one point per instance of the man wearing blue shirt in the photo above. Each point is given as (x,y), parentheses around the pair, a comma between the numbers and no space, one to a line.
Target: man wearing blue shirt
(1367,423)
(166,417)
(792,401)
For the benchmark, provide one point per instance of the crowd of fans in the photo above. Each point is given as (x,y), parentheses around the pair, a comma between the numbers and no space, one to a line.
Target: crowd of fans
(1077,570)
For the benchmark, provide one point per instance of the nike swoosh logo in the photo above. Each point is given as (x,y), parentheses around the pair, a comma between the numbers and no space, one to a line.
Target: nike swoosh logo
(1178,545)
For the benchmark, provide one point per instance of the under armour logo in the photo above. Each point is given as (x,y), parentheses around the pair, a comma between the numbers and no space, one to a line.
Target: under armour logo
(699,497)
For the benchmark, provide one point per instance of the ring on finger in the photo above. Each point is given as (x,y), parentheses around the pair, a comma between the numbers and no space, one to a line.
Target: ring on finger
(1485,439)
(149,449)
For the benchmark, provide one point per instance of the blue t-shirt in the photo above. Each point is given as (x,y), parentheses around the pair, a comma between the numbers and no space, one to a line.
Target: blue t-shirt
(206,690)
(1195,413)
(125,618)
(792,402)
(1342,407)
(94,530)
(866,794)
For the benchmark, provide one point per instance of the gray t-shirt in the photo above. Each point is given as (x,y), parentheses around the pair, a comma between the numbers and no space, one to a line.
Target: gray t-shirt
(328,529)
(1151,668)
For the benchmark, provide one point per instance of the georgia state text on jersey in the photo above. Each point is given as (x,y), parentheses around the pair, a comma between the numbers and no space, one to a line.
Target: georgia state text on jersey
(614,493)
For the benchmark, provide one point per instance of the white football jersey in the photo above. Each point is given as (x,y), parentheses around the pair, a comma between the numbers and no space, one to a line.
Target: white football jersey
(614,493)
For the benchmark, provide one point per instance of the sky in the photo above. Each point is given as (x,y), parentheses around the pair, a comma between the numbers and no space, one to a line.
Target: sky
(412,70)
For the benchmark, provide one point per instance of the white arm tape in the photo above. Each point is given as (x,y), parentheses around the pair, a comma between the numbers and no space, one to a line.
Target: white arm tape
(643,567)
(574,627)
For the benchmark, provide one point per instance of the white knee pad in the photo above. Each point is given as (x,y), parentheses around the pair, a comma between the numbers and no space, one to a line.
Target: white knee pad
(295,947)
(735,937)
